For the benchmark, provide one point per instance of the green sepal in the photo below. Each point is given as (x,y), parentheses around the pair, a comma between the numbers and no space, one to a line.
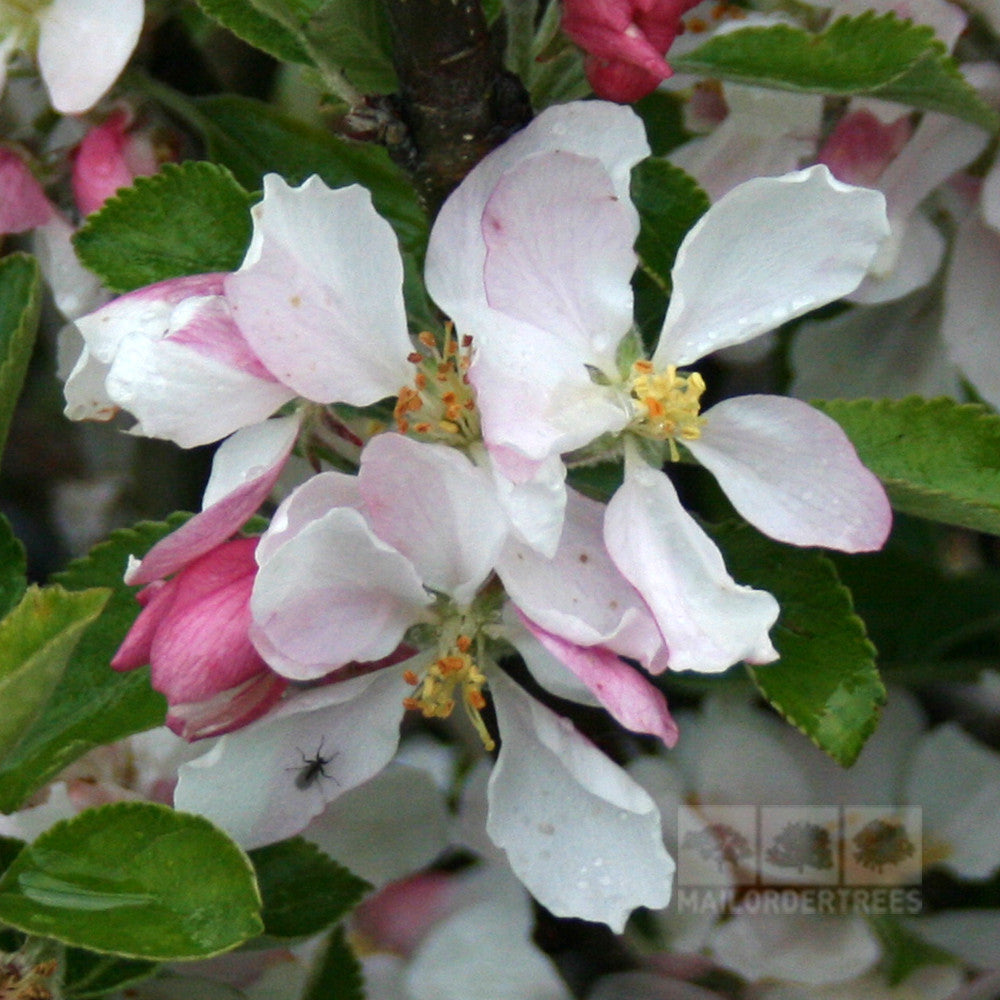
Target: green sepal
(134,879)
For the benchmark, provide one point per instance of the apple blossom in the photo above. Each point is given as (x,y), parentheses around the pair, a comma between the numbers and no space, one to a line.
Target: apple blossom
(532,257)
(82,46)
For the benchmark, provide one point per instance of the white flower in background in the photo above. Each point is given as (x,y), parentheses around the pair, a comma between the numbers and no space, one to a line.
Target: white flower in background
(82,45)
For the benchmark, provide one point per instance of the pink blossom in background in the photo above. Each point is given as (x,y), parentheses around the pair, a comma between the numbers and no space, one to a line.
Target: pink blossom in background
(110,157)
(23,203)
(625,42)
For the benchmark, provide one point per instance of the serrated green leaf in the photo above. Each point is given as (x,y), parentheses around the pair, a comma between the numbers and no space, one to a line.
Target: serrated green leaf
(87,974)
(134,879)
(36,640)
(304,890)
(937,458)
(13,567)
(904,951)
(93,704)
(873,54)
(190,218)
(669,203)
(20,300)
(252,138)
(825,682)
(336,974)
(353,35)
(256,28)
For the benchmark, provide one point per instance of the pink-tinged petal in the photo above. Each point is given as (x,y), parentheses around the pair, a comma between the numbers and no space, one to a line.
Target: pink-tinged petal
(620,688)
(332,594)
(770,250)
(23,204)
(580,594)
(228,710)
(260,453)
(252,782)
(156,600)
(791,472)
(534,503)
(398,917)
(149,310)
(101,164)
(85,390)
(581,835)
(76,290)
(319,294)
(83,46)
(434,506)
(709,621)
(971,304)
(456,252)
(559,253)
(860,146)
(536,397)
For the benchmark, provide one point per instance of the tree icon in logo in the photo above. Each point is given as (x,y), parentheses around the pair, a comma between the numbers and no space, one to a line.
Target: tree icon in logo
(882,842)
(720,843)
(801,845)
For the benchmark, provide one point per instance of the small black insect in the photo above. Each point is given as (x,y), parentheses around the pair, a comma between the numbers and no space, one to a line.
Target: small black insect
(313,768)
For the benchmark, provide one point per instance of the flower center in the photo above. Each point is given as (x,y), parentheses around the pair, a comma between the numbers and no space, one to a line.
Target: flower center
(440,405)
(452,677)
(666,405)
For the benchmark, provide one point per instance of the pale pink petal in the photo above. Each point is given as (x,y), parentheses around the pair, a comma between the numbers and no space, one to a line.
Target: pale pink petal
(709,621)
(251,782)
(580,594)
(75,289)
(260,453)
(791,472)
(581,835)
(770,250)
(534,504)
(332,594)
(456,253)
(433,505)
(83,46)
(620,688)
(319,294)
(23,204)
(228,710)
(971,307)
(559,253)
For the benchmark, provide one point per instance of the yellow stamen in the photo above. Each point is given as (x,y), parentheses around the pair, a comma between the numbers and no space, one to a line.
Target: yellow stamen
(666,404)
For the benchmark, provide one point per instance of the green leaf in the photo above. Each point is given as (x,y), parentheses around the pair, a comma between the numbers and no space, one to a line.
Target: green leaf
(252,138)
(874,54)
(937,458)
(93,704)
(190,218)
(87,974)
(337,973)
(134,879)
(304,890)
(256,28)
(354,36)
(904,951)
(825,681)
(669,202)
(36,640)
(10,848)
(13,567)
(20,300)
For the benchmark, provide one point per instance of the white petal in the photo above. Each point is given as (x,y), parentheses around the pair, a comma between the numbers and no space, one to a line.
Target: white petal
(83,46)
(956,781)
(972,303)
(791,472)
(559,253)
(432,504)
(75,288)
(250,783)
(770,250)
(581,835)
(709,621)
(319,294)
(456,253)
(905,262)
(332,594)
(85,390)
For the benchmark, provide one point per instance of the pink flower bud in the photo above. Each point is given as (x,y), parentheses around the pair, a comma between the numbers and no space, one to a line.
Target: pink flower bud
(860,148)
(23,204)
(625,42)
(110,157)
(193,631)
